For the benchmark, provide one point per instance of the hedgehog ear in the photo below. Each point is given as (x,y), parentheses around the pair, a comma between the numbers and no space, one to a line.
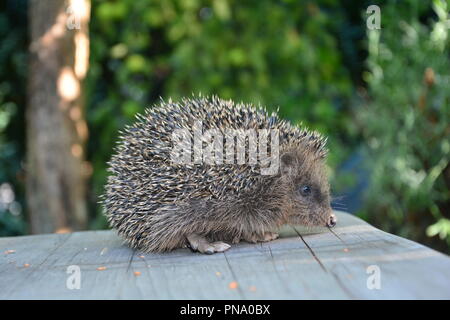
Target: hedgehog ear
(287,162)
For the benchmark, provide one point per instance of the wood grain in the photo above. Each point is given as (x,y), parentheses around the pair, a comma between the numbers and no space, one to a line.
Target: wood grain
(302,264)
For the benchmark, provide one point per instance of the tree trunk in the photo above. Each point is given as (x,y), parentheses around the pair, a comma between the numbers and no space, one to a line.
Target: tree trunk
(56,129)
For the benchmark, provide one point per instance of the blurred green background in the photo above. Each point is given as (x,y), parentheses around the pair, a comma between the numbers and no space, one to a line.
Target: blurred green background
(382,96)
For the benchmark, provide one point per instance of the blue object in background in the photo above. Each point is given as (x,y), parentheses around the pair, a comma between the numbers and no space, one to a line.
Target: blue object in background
(351,199)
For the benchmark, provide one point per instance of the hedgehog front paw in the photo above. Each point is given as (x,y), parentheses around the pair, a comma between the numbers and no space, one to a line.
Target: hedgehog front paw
(269,236)
(265,237)
(200,244)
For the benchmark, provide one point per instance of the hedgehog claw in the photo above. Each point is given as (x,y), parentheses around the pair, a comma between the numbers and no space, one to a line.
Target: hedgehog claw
(200,244)
(220,246)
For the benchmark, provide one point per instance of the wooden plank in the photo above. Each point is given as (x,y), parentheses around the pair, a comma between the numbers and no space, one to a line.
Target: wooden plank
(302,264)
(408,270)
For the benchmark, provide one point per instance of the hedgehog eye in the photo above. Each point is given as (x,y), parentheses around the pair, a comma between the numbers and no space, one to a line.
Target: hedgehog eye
(305,190)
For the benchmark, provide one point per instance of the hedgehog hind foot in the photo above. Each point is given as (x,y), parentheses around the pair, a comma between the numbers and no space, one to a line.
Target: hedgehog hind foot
(200,244)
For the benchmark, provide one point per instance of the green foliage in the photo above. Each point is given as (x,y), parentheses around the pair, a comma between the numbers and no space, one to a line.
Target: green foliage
(13,55)
(406,125)
(275,53)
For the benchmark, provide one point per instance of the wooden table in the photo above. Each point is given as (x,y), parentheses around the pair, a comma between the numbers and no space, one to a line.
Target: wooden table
(357,262)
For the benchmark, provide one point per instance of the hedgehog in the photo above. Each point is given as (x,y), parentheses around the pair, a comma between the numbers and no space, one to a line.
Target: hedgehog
(170,187)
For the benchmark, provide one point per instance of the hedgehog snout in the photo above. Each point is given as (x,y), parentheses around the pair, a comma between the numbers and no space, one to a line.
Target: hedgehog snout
(332,220)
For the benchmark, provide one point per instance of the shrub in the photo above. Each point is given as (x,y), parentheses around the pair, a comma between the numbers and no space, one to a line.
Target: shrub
(407,123)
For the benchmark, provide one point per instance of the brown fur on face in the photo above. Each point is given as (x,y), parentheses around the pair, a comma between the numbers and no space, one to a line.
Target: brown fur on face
(307,191)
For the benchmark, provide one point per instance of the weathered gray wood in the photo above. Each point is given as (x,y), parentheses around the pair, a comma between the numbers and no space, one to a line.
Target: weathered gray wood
(300,265)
